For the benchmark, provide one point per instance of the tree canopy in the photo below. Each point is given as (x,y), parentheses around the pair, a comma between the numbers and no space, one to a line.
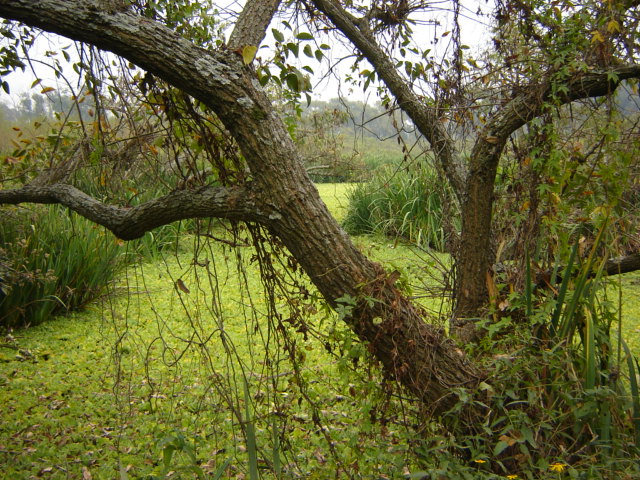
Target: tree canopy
(537,108)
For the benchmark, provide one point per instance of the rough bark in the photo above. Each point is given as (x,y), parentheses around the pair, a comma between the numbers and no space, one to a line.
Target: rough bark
(233,203)
(252,23)
(280,195)
(627,264)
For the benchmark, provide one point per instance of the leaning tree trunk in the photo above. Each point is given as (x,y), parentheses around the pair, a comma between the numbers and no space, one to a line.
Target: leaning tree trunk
(280,195)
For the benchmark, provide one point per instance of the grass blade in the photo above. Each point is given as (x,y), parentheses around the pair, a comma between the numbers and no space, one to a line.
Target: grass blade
(562,293)
(252,448)
(634,369)
(527,285)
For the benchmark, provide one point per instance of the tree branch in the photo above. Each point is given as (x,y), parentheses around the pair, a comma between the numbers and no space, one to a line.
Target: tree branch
(531,103)
(253,22)
(613,266)
(618,266)
(218,78)
(235,203)
(425,118)
(280,195)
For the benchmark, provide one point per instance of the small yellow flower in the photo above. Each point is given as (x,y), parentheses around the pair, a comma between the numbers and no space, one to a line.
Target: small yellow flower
(512,477)
(479,460)
(557,467)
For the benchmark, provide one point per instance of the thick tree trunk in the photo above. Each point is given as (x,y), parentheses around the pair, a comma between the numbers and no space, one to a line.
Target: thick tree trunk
(474,258)
(280,195)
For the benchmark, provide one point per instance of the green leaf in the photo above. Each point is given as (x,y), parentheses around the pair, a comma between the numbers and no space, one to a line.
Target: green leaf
(304,36)
(308,51)
(527,433)
(277,34)
(499,448)
(263,79)
(294,48)
(252,448)
(167,454)
(293,82)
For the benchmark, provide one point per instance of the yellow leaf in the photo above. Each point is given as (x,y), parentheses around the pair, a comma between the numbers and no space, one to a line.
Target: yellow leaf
(613,27)
(86,474)
(596,37)
(47,90)
(508,440)
(249,53)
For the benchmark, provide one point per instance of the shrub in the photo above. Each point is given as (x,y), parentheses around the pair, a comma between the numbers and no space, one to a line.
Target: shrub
(51,261)
(410,203)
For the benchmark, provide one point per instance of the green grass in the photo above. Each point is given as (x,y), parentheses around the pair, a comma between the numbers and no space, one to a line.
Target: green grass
(63,409)
(51,265)
(335,196)
(151,377)
(630,283)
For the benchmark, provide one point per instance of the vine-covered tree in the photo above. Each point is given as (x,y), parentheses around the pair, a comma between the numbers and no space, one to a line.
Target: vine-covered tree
(546,57)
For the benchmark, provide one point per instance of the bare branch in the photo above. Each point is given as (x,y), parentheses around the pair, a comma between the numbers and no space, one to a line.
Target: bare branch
(253,22)
(234,203)
(613,266)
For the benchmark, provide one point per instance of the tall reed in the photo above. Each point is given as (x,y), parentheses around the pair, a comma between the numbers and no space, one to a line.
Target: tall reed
(411,204)
(54,261)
